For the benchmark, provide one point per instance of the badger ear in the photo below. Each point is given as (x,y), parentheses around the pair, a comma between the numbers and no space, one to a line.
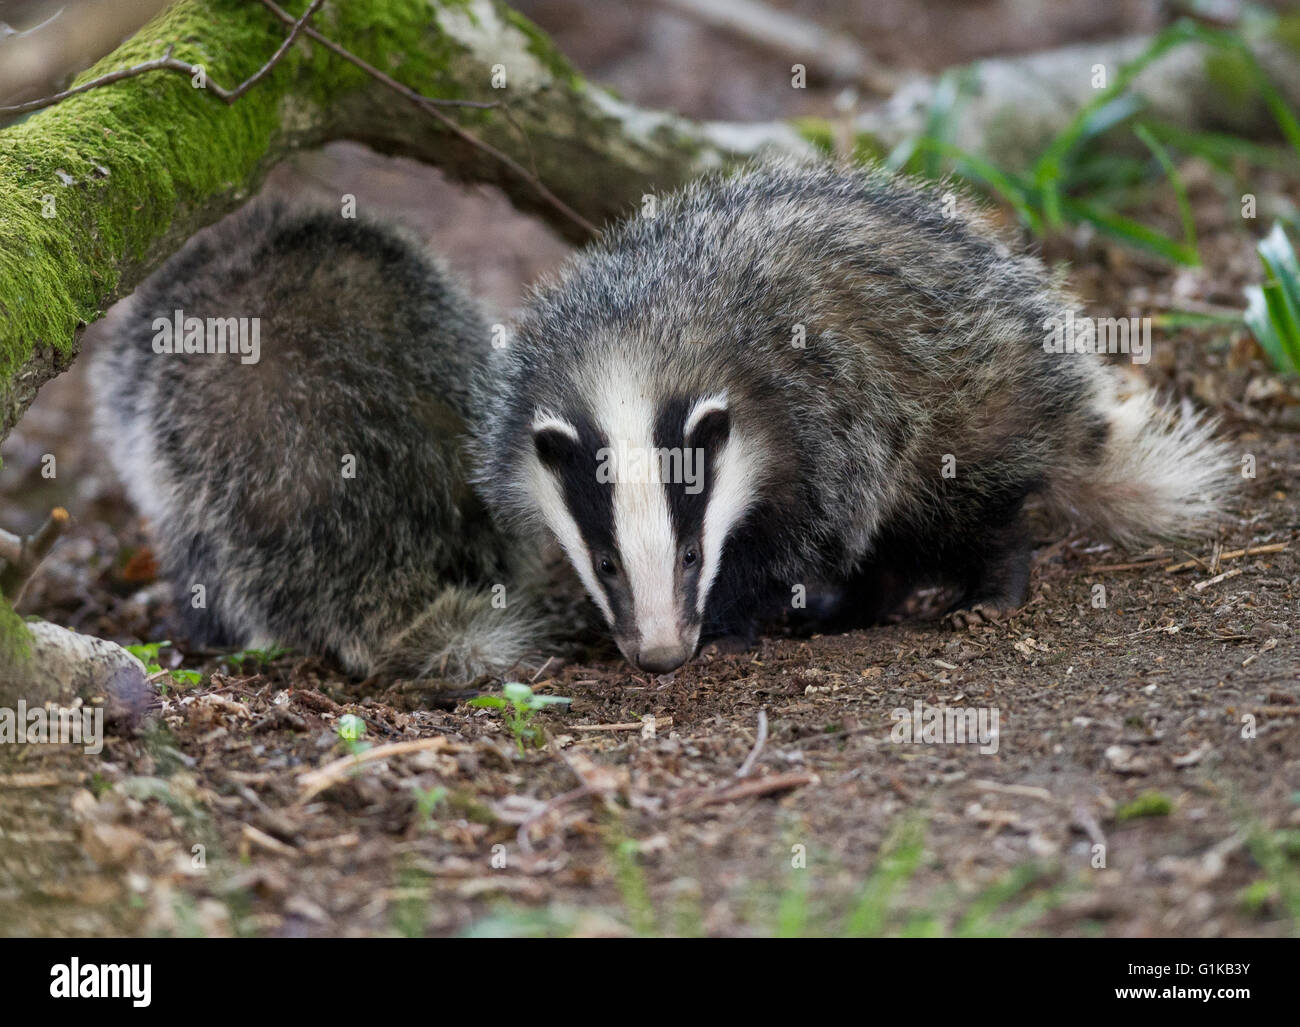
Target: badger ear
(555,439)
(708,424)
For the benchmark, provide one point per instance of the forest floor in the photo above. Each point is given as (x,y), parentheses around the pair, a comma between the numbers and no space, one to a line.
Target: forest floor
(1143,777)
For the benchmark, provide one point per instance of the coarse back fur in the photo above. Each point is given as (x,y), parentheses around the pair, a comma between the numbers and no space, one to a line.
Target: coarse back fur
(316,498)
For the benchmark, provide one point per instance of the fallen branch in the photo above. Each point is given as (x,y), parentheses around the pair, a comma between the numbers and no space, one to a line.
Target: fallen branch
(431,107)
(169,63)
(23,556)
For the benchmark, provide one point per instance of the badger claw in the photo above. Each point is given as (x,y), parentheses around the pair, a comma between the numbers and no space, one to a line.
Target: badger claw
(973,617)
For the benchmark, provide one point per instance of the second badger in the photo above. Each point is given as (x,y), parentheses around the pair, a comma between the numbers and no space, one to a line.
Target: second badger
(310,490)
(802,376)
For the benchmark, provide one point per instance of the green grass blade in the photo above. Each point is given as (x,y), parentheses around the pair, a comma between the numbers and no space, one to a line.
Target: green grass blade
(1218,148)
(1175,180)
(1125,229)
(1261,327)
(1004,184)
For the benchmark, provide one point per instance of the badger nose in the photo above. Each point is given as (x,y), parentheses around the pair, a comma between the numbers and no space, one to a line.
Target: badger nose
(662,659)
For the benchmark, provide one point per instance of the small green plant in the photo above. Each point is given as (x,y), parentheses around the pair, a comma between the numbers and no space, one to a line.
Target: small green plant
(148,655)
(1148,804)
(1278,855)
(259,658)
(427,801)
(351,730)
(520,705)
(1273,309)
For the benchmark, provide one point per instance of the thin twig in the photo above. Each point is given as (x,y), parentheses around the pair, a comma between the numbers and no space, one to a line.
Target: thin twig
(631,725)
(1201,586)
(314,782)
(754,753)
(1235,554)
(762,786)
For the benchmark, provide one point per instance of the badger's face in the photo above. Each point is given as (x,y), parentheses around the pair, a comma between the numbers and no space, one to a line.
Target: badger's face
(642,497)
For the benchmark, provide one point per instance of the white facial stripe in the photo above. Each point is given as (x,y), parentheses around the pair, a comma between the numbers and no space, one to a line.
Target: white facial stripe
(642,526)
(544,420)
(557,517)
(736,470)
(718,401)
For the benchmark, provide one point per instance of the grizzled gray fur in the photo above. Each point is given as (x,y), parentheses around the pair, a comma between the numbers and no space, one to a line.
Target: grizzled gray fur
(317,494)
(840,379)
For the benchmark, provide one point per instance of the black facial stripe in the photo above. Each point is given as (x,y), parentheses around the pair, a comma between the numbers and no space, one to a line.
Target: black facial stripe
(590,502)
(688,501)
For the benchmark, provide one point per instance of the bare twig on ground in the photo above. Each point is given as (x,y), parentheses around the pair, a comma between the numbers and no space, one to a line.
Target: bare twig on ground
(748,766)
(631,725)
(316,781)
(1217,557)
(1201,586)
(1235,554)
(762,786)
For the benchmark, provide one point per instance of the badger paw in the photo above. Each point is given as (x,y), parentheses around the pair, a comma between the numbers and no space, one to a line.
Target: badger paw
(727,645)
(977,616)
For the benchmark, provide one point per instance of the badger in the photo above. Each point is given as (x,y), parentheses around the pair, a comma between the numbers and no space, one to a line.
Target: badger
(286,402)
(860,369)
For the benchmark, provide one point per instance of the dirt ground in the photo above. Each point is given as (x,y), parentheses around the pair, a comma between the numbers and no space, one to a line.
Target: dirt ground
(1146,778)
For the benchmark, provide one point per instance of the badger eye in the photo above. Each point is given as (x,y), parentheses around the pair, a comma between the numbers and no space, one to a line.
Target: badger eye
(689,557)
(606,566)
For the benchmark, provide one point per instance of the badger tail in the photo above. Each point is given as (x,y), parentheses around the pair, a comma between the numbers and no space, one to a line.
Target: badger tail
(464,634)
(1160,473)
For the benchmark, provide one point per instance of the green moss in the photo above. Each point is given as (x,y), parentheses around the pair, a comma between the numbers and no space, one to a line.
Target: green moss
(15,642)
(1148,804)
(1258,897)
(104,184)
(94,182)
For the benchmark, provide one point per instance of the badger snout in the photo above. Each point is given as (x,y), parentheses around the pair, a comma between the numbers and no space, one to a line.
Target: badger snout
(662,659)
